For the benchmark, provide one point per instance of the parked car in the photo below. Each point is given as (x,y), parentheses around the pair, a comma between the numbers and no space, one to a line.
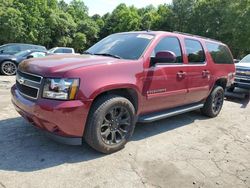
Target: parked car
(123,79)
(61,50)
(242,78)
(9,63)
(13,48)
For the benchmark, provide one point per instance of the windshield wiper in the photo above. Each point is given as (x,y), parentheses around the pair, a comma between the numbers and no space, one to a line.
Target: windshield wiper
(109,55)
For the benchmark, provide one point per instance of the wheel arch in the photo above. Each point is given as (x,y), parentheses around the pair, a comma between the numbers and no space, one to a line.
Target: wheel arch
(127,92)
(221,82)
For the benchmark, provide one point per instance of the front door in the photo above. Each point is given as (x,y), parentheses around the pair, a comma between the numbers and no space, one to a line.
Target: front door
(165,84)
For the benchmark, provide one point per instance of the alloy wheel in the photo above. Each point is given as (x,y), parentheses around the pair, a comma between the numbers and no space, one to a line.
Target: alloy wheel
(115,125)
(9,68)
(217,101)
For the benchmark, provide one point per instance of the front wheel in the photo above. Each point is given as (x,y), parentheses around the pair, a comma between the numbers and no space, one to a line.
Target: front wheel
(8,68)
(214,102)
(110,123)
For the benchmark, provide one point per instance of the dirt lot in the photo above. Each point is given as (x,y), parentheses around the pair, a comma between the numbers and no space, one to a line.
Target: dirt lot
(189,150)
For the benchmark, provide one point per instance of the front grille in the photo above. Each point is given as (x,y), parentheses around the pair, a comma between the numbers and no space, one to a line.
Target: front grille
(30,77)
(28,84)
(27,91)
(243,72)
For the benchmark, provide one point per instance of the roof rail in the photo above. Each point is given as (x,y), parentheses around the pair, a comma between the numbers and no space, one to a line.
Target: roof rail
(188,34)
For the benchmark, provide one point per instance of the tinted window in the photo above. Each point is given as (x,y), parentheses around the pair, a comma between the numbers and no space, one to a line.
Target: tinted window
(126,46)
(58,51)
(38,54)
(219,53)
(169,44)
(12,48)
(195,51)
(65,50)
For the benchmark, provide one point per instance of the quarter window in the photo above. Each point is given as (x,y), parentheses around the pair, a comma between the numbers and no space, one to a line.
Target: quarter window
(195,52)
(219,53)
(169,44)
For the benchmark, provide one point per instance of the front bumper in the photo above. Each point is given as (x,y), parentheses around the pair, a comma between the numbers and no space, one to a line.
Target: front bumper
(242,82)
(63,121)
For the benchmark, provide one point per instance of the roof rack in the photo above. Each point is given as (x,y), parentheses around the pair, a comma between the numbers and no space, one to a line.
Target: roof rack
(188,34)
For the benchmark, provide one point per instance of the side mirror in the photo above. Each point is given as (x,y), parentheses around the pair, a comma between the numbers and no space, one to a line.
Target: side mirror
(1,51)
(30,56)
(164,57)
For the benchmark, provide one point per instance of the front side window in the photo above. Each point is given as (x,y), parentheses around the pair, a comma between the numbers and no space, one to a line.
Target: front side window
(169,44)
(195,52)
(126,46)
(219,53)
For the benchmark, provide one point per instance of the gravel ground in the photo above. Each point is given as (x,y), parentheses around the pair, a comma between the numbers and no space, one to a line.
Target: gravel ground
(188,150)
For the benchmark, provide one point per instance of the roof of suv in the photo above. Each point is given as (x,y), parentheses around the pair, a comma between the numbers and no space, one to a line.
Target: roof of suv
(175,32)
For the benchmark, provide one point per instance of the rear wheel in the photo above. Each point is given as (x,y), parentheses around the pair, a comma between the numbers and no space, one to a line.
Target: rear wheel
(110,124)
(214,102)
(8,68)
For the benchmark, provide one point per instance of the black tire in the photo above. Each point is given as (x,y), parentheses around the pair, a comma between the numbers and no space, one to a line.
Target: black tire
(214,102)
(8,68)
(99,130)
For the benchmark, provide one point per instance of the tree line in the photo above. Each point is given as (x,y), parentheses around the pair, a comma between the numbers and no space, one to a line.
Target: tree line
(57,23)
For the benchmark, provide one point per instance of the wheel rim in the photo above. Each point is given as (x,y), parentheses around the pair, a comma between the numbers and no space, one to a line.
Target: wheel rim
(115,125)
(217,102)
(9,68)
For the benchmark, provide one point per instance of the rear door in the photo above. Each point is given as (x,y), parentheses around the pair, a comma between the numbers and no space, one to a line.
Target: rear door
(198,71)
(165,84)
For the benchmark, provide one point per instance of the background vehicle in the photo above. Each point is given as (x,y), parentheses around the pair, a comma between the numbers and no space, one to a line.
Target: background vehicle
(242,79)
(236,61)
(61,50)
(9,63)
(138,77)
(13,48)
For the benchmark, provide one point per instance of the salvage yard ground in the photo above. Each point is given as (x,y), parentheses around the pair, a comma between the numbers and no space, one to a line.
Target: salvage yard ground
(188,150)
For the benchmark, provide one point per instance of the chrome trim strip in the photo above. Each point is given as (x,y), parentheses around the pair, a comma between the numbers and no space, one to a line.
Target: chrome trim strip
(242,78)
(32,75)
(29,83)
(242,83)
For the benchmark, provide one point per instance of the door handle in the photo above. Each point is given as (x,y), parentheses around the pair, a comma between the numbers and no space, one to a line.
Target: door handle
(205,73)
(181,74)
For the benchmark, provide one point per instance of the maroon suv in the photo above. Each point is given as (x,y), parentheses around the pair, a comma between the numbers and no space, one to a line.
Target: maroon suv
(123,79)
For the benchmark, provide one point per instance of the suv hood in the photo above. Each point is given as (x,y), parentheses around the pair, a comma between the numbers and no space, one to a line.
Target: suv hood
(243,65)
(59,64)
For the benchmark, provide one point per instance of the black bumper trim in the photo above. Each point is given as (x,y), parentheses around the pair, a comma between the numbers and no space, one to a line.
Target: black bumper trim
(74,141)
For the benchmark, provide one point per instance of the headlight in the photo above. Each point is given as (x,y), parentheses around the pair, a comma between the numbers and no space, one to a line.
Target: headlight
(62,89)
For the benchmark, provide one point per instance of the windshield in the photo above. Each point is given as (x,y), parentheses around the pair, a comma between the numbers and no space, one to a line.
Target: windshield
(126,46)
(246,59)
(52,50)
(22,53)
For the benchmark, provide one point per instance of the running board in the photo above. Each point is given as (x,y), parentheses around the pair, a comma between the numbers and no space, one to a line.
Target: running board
(169,113)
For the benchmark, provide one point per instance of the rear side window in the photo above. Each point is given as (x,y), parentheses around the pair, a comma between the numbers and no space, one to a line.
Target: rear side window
(195,52)
(169,44)
(219,53)
(65,50)
(58,50)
